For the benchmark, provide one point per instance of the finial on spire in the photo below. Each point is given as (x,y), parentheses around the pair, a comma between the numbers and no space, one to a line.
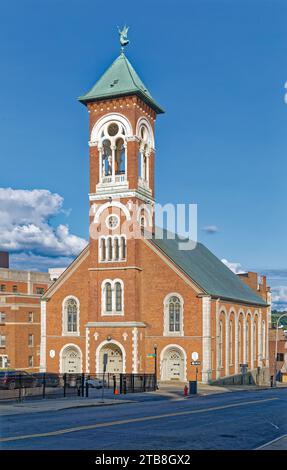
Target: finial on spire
(123,33)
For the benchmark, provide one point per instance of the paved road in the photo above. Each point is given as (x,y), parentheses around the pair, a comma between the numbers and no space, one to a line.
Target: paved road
(239,420)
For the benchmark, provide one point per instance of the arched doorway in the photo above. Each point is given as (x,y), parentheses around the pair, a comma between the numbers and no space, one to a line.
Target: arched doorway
(71,360)
(173,365)
(115,358)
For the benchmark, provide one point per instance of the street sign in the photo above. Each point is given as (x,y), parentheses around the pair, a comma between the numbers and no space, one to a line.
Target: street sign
(150,355)
(194,356)
(195,363)
(105,361)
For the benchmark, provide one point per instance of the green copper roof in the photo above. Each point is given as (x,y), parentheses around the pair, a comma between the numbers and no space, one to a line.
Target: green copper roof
(208,272)
(119,80)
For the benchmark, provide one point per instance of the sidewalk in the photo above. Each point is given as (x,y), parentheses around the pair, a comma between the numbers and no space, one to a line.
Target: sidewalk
(277,444)
(59,404)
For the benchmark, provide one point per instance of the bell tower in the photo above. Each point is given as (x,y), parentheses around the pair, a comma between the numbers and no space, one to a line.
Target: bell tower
(122,115)
(122,151)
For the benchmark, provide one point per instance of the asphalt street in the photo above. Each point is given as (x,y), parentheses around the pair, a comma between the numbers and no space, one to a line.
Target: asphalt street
(238,420)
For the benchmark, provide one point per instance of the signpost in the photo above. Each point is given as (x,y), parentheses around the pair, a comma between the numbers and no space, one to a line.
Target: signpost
(105,361)
(195,362)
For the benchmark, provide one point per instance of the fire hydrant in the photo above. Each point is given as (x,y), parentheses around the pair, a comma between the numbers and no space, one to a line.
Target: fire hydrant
(185,391)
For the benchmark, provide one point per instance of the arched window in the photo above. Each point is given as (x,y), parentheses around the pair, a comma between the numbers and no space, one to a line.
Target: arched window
(108,297)
(247,342)
(112,150)
(118,293)
(107,158)
(103,249)
(70,316)
(230,343)
(239,342)
(110,249)
(117,249)
(173,315)
(144,155)
(72,312)
(112,297)
(124,247)
(254,342)
(120,157)
(220,344)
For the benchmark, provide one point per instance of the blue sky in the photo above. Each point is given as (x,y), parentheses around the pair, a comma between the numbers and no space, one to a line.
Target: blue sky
(218,67)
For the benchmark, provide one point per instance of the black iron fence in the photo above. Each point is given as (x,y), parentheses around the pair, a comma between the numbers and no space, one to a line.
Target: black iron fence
(20,386)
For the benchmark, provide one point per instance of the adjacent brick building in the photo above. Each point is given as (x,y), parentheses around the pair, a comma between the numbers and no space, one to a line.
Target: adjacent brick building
(20,293)
(281,365)
(132,297)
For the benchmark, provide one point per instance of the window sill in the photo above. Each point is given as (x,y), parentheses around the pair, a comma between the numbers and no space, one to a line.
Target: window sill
(173,335)
(113,314)
(66,333)
(123,260)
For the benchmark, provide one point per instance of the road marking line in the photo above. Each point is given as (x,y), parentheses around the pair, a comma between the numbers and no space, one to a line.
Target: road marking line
(271,442)
(132,420)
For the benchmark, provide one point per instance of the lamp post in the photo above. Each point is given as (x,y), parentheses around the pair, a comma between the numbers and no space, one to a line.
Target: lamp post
(276,348)
(155,365)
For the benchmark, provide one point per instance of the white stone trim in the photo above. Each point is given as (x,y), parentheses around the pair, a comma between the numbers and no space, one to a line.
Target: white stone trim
(104,343)
(116,324)
(87,350)
(144,121)
(135,350)
(97,210)
(120,195)
(217,341)
(43,344)
(116,117)
(206,339)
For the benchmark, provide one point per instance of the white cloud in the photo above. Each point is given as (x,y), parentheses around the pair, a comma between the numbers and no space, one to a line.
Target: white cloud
(25,225)
(235,267)
(210,229)
(279,292)
(279,297)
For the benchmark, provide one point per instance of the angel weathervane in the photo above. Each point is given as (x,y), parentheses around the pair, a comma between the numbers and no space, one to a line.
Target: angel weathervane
(123,37)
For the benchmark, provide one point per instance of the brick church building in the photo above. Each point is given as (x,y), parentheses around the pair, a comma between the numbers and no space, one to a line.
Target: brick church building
(131,296)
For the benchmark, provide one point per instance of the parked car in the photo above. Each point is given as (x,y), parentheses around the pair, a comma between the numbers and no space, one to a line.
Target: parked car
(51,380)
(95,382)
(11,379)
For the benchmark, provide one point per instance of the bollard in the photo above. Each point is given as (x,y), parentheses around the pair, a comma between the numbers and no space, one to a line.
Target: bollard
(185,391)
(192,387)
(44,385)
(65,384)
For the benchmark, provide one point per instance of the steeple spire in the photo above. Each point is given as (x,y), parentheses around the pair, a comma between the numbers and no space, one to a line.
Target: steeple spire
(120,79)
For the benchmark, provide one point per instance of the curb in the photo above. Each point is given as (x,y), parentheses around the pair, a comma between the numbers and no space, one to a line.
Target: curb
(99,404)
